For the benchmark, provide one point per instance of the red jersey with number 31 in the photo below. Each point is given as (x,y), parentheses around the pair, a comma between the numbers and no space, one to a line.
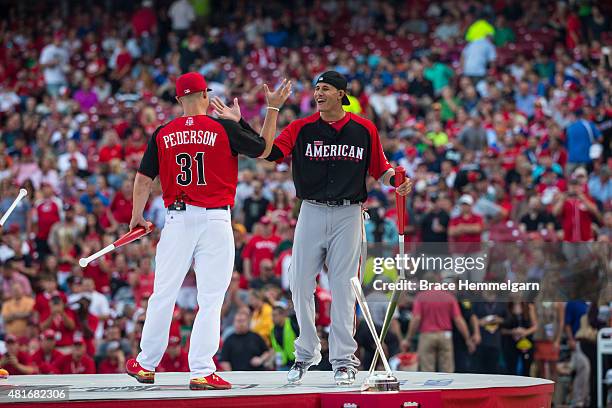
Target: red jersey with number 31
(196,158)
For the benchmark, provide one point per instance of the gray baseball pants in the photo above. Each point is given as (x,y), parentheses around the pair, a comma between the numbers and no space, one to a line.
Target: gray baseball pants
(332,236)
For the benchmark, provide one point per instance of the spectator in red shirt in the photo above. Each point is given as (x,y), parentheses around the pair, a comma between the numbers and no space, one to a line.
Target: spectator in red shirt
(14,361)
(121,206)
(550,184)
(61,320)
(142,279)
(123,63)
(572,38)
(76,363)
(114,362)
(508,156)
(105,216)
(43,299)
(111,147)
(260,247)
(86,323)
(577,212)
(557,151)
(175,359)
(144,19)
(433,315)
(465,230)
(47,212)
(46,356)
(135,147)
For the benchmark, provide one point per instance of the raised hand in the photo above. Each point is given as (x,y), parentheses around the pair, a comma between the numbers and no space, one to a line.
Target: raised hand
(277,98)
(224,111)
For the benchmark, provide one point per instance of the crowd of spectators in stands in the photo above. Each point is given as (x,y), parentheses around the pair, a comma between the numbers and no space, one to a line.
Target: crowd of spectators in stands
(501,112)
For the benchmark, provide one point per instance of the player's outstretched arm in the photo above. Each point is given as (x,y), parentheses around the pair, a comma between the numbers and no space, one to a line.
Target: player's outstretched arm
(274,100)
(142,189)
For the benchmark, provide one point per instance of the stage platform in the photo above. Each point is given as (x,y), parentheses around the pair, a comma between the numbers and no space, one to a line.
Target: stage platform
(270,390)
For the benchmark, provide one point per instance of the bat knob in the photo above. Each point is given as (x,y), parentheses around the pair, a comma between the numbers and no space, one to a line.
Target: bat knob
(82,262)
(23,191)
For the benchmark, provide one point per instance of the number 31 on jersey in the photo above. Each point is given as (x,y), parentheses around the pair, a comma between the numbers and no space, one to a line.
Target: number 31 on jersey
(186,162)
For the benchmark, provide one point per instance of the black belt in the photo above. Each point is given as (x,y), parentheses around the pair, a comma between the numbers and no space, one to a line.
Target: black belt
(337,203)
(224,207)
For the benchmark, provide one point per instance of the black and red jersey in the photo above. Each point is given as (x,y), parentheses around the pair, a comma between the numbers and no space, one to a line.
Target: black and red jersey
(332,159)
(196,158)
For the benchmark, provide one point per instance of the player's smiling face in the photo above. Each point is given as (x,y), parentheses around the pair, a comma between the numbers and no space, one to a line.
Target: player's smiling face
(327,97)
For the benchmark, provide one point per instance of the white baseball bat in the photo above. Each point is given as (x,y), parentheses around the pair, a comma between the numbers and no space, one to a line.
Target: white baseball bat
(369,321)
(22,193)
(83,262)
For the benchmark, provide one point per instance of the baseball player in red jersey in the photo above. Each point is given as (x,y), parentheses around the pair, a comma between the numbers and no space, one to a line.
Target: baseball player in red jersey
(196,159)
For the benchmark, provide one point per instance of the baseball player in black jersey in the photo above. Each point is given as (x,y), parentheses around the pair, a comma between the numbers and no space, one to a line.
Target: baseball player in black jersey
(333,151)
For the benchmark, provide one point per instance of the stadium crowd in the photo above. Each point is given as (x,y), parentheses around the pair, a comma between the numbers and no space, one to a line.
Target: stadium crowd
(501,113)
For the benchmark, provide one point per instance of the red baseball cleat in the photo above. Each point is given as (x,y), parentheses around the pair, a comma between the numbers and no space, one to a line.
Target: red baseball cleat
(140,374)
(210,382)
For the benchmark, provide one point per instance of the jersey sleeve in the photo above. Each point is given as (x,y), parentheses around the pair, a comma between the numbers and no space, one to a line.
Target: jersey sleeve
(275,154)
(243,140)
(149,165)
(245,125)
(378,162)
(285,141)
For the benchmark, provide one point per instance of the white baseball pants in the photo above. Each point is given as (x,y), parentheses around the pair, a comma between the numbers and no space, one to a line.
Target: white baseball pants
(200,235)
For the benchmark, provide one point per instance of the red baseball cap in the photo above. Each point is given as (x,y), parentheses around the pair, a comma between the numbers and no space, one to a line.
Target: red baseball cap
(189,83)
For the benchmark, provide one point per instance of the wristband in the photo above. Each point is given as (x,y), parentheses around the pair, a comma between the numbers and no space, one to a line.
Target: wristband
(273,108)
(392,181)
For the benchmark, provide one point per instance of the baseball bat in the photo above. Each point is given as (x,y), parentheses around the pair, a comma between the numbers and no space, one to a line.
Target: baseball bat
(131,236)
(400,201)
(22,193)
(368,318)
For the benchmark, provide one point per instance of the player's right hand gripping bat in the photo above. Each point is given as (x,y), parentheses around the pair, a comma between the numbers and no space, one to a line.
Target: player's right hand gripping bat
(131,236)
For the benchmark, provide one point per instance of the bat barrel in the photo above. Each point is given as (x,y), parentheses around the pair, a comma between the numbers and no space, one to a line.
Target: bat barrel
(22,193)
(83,262)
(369,321)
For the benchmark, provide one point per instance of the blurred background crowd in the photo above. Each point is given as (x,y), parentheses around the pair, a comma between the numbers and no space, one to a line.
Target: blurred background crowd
(501,112)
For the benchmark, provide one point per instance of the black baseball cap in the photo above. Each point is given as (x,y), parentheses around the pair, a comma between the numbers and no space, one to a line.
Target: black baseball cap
(337,80)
